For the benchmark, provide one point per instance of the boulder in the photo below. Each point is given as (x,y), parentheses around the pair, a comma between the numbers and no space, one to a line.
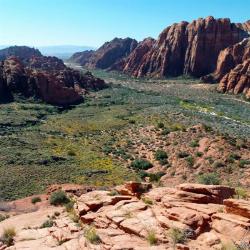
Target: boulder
(133,188)
(213,193)
(239,207)
(232,226)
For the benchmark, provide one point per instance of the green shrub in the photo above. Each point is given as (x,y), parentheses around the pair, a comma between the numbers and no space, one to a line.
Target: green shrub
(143,174)
(141,164)
(69,206)
(160,155)
(151,237)
(241,193)
(242,163)
(113,193)
(71,152)
(160,125)
(73,216)
(209,179)
(4,217)
(59,198)
(229,246)
(153,177)
(194,144)
(218,164)
(91,235)
(190,161)
(147,201)
(234,157)
(177,236)
(47,223)
(199,154)
(35,200)
(165,131)
(8,236)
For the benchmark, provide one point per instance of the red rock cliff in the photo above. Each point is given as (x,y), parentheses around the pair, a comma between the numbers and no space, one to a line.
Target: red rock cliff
(188,48)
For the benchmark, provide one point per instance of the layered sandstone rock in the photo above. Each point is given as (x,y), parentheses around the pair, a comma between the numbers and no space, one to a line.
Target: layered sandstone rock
(188,48)
(239,207)
(107,55)
(112,220)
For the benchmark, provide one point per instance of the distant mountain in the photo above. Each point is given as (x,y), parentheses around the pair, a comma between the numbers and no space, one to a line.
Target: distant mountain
(23,52)
(62,51)
(108,55)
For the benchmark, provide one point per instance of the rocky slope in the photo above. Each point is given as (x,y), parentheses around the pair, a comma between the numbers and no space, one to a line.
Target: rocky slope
(136,216)
(107,55)
(81,58)
(194,154)
(46,78)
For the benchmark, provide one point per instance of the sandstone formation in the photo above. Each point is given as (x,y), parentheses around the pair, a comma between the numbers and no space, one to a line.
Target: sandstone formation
(132,64)
(182,48)
(233,71)
(229,58)
(189,48)
(107,55)
(237,80)
(138,216)
(46,78)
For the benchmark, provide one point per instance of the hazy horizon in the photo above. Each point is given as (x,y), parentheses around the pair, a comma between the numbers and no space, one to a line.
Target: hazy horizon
(93,22)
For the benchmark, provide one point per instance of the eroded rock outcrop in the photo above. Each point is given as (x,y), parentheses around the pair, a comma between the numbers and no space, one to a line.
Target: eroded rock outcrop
(46,78)
(132,64)
(228,59)
(237,80)
(184,48)
(189,48)
(107,55)
(233,70)
(139,216)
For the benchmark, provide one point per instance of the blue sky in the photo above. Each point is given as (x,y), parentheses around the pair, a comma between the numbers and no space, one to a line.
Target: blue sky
(92,22)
